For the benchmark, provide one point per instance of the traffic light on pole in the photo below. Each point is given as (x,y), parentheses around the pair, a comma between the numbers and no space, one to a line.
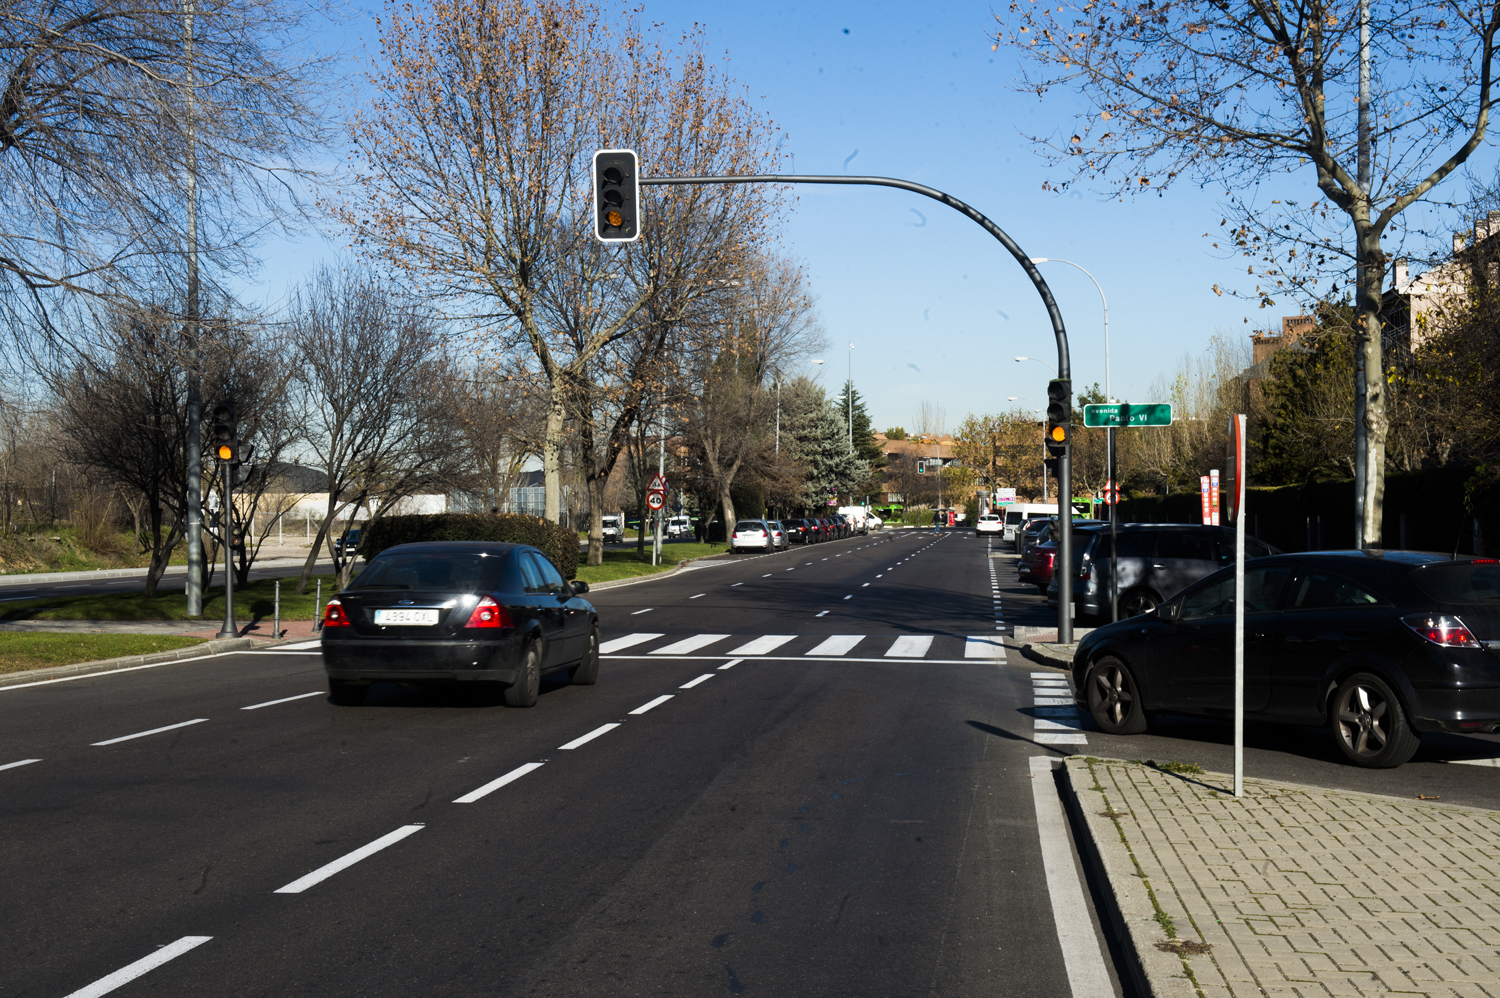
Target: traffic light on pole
(225,433)
(617,201)
(1059,416)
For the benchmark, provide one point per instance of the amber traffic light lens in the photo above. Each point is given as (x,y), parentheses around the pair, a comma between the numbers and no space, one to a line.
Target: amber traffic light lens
(614,218)
(225,452)
(1059,434)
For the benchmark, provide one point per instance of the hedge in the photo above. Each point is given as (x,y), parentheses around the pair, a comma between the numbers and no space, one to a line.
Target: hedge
(558,543)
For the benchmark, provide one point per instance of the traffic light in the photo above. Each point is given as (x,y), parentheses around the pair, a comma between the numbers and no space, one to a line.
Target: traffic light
(225,434)
(1059,415)
(617,201)
(1050,463)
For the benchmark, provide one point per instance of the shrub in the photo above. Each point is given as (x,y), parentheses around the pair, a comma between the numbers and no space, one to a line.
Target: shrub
(558,543)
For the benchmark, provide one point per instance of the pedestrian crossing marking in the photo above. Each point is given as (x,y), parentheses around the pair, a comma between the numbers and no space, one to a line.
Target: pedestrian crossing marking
(984,646)
(839,644)
(910,646)
(1060,738)
(689,645)
(763,645)
(628,641)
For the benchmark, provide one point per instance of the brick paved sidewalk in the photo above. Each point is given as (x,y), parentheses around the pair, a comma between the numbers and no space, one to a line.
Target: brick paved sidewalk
(1294,890)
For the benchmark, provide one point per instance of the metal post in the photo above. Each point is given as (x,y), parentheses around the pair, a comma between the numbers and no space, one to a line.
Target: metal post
(318,607)
(276,614)
(228,628)
(1114,525)
(194,442)
(661,471)
(849,400)
(1361,376)
(1239,606)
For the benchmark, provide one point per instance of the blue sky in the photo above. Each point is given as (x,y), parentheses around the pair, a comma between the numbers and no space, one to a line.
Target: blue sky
(935,307)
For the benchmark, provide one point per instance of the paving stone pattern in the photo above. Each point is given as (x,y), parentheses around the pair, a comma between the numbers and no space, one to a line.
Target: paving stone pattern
(1310,892)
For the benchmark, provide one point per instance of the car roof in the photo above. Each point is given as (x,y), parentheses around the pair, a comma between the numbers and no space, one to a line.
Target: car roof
(1374,555)
(454,547)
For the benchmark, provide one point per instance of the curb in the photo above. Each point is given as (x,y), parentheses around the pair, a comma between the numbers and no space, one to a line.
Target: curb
(214,647)
(617,583)
(1131,913)
(1055,655)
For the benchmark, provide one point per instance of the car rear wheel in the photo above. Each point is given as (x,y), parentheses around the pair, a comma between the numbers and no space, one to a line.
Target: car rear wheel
(1136,602)
(346,694)
(1369,724)
(523,692)
(1113,698)
(586,672)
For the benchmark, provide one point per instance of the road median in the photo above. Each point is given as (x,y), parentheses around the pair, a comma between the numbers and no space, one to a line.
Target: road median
(55,673)
(1290,889)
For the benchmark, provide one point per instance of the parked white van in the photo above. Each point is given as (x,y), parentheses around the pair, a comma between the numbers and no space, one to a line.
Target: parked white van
(1019,512)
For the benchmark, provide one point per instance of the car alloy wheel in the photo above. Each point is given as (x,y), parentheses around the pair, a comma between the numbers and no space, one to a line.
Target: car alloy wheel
(1136,602)
(1370,725)
(528,685)
(1113,698)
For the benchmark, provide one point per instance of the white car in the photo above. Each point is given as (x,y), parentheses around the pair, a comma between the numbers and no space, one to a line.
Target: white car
(679,526)
(614,528)
(989,523)
(751,535)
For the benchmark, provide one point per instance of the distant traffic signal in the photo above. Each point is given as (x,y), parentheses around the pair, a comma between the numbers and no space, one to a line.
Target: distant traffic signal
(617,201)
(225,433)
(1059,415)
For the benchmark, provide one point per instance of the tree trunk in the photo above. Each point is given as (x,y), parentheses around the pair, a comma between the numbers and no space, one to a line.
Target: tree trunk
(726,504)
(1377,422)
(596,486)
(551,457)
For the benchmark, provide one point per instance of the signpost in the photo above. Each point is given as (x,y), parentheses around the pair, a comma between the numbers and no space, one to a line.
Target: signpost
(656,501)
(1236,510)
(1128,414)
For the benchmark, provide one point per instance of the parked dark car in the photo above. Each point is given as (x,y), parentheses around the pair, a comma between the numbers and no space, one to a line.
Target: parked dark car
(1157,561)
(349,543)
(1037,564)
(1380,646)
(1026,533)
(824,532)
(797,531)
(459,611)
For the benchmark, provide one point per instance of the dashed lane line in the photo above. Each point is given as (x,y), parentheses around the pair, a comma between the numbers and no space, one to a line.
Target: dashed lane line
(694,682)
(153,731)
(322,873)
(272,703)
(19,763)
(141,967)
(510,777)
(585,739)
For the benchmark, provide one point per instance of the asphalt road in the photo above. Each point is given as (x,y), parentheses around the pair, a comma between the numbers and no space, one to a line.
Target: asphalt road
(810,773)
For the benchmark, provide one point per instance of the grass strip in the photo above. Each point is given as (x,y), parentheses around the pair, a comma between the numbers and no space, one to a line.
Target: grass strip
(626,565)
(252,602)
(19,652)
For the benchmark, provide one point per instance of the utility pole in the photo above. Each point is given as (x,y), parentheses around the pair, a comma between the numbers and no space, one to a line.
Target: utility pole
(1361,376)
(849,400)
(193,443)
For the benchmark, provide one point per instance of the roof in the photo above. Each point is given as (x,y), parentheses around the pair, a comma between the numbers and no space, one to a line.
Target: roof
(454,547)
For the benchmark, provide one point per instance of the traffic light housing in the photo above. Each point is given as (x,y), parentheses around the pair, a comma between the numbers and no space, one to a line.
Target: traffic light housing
(225,434)
(617,196)
(1050,463)
(1059,416)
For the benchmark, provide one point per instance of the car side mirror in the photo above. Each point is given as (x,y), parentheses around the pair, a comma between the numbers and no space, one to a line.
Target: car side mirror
(1168,611)
(579,587)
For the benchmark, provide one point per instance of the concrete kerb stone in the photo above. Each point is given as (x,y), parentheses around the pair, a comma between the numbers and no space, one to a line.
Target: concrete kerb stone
(214,647)
(1126,893)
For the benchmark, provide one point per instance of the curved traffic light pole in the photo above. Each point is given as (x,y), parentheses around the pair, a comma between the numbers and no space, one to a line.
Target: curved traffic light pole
(1064,569)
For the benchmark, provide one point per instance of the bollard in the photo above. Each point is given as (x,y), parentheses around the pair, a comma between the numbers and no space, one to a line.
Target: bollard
(276,614)
(318,607)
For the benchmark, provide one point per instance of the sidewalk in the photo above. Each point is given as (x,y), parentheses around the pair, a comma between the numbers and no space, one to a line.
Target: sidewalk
(1293,890)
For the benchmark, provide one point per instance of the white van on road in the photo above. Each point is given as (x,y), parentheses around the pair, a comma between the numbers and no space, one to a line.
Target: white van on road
(1019,512)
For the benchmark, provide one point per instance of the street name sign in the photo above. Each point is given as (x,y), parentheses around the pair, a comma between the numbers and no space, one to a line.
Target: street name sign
(1128,414)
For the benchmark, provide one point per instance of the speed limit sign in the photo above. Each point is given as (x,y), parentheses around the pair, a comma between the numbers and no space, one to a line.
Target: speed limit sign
(655,501)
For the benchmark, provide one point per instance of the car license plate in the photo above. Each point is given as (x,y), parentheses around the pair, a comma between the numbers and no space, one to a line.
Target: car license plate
(420,618)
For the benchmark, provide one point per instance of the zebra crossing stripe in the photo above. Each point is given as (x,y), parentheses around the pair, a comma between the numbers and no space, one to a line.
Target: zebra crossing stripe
(763,645)
(910,646)
(839,644)
(628,641)
(689,645)
(984,646)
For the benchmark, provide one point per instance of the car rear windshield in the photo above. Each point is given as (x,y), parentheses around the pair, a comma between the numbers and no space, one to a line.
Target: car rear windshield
(747,525)
(467,572)
(1472,582)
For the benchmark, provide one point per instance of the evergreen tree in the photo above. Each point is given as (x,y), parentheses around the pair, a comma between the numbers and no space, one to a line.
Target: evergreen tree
(815,433)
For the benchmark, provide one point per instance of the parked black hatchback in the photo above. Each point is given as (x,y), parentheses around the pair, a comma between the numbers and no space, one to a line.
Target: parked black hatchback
(467,611)
(1381,646)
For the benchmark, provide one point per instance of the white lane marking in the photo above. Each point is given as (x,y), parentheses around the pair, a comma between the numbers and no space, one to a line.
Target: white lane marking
(864,585)
(1041,700)
(322,873)
(272,703)
(585,739)
(23,762)
(493,785)
(731,586)
(910,646)
(1075,724)
(984,646)
(1052,680)
(763,645)
(116,672)
(628,641)
(144,965)
(302,645)
(839,644)
(823,614)
(694,682)
(153,731)
(1046,675)
(850,596)
(880,576)
(653,703)
(1082,958)
(792,569)
(809,563)
(689,645)
(701,595)
(637,613)
(766,576)
(1454,762)
(1058,738)
(730,664)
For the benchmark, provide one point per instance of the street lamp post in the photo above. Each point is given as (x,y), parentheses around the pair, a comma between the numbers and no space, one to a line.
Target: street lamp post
(1109,445)
(849,400)
(1021,398)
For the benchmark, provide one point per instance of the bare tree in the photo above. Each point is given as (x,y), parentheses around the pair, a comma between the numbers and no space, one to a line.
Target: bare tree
(372,397)
(1235,92)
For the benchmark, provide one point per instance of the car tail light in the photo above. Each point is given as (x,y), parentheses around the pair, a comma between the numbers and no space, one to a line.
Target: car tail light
(334,615)
(1449,632)
(488,613)
(1050,556)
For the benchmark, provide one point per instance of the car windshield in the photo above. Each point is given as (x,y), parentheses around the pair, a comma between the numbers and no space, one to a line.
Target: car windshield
(1471,582)
(749,525)
(458,571)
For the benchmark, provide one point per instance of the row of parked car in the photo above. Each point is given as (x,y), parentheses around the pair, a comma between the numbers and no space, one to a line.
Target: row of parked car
(777,535)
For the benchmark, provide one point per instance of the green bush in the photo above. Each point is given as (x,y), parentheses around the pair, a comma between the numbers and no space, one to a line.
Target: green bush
(558,543)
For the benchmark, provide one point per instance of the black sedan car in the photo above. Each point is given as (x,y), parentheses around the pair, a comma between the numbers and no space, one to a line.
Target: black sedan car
(1380,646)
(468,611)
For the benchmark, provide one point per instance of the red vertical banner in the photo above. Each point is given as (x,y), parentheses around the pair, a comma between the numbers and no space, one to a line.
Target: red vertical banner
(1213,494)
(1207,507)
